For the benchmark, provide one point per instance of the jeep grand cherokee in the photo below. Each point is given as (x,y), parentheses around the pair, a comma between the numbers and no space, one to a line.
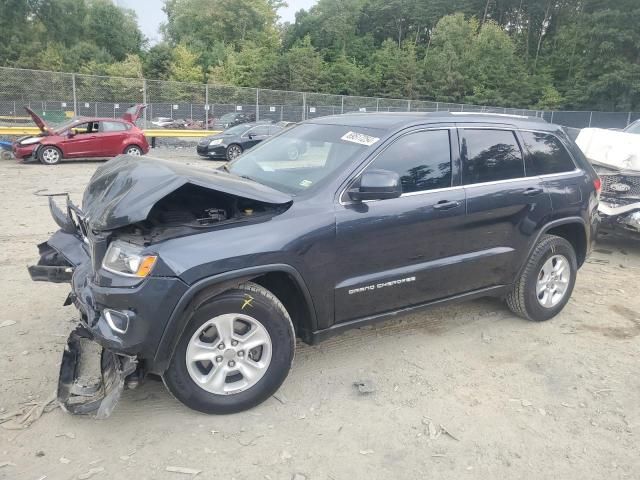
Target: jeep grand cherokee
(206,277)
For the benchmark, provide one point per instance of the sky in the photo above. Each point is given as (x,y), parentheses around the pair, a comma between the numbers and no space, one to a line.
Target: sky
(150,14)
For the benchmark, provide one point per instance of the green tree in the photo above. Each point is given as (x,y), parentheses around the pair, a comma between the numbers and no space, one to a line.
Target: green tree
(112,28)
(184,66)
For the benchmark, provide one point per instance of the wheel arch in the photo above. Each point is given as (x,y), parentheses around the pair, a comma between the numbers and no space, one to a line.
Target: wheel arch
(572,229)
(290,288)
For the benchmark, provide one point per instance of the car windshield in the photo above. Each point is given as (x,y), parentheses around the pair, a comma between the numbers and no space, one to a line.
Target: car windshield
(66,125)
(633,128)
(304,156)
(237,130)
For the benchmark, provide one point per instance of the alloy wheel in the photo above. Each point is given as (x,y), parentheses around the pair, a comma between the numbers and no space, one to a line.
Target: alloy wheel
(553,281)
(50,155)
(133,151)
(234,151)
(229,354)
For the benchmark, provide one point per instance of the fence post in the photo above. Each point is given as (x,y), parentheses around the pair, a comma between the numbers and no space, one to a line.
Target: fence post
(342,104)
(551,117)
(377,104)
(304,106)
(628,116)
(257,104)
(408,105)
(437,106)
(144,100)
(206,106)
(75,97)
(590,117)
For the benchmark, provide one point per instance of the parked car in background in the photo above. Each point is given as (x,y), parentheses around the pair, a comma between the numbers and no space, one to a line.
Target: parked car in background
(161,122)
(235,140)
(230,119)
(206,277)
(83,137)
(615,155)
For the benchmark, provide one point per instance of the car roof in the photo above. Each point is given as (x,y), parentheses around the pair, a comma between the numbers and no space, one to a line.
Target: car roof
(397,120)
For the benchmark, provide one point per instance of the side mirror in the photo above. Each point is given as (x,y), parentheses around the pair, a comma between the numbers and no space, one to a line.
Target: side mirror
(71,134)
(251,135)
(377,185)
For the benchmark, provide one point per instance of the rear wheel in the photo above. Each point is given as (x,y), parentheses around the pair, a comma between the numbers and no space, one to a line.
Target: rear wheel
(49,155)
(235,353)
(133,150)
(546,284)
(233,151)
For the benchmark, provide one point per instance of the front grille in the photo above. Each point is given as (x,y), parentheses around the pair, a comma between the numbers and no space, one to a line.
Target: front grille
(620,185)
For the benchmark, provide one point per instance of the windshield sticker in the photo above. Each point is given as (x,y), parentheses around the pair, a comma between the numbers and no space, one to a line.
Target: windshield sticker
(306,183)
(360,138)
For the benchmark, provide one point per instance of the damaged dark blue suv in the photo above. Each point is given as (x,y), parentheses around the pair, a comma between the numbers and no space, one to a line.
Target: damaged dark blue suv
(206,277)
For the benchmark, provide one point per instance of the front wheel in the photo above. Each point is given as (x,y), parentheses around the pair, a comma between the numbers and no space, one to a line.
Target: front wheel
(235,352)
(49,155)
(546,284)
(233,151)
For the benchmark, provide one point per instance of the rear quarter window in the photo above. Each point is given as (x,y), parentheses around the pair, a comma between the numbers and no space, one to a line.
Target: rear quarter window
(546,154)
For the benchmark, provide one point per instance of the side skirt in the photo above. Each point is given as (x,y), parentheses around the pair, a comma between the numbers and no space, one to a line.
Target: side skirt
(321,335)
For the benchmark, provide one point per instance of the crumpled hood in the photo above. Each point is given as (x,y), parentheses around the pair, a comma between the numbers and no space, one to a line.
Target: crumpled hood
(124,190)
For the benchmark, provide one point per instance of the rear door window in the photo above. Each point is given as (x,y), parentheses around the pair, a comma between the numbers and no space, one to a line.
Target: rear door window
(490,155)
(113,127)
(422,159)
(546,154)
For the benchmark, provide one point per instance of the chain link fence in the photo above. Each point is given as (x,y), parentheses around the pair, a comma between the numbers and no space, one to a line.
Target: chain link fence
(58,96)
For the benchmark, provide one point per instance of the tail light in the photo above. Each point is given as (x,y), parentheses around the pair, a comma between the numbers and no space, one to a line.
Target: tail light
(597,184)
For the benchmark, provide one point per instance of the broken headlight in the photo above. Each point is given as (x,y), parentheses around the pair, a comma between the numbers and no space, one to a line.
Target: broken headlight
(126,259)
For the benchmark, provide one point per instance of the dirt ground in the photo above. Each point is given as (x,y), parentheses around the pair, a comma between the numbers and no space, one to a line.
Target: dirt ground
(468,391)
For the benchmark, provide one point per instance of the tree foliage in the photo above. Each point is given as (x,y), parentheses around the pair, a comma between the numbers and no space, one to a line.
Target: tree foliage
(578,54)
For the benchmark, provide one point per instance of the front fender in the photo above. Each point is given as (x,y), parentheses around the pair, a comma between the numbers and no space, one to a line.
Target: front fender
(210,287)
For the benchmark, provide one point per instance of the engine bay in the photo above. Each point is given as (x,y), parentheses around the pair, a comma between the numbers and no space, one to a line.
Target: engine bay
(192,209)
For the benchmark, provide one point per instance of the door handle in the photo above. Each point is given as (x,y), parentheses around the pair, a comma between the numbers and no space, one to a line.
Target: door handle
(446,205)
(533,191)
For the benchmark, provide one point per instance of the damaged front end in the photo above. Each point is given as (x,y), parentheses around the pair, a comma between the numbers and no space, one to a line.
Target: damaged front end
(91,378)
(619,206)
(122,288)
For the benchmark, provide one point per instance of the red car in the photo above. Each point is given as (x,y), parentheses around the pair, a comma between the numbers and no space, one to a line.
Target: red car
(83,137)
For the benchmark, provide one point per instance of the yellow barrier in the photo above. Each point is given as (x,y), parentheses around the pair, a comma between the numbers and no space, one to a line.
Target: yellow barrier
(160,132)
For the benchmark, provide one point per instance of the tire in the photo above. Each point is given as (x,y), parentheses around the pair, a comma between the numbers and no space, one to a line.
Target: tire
(530,298)
(6,155)
(233,151)
(133,150)
(186,377)
(49,155)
